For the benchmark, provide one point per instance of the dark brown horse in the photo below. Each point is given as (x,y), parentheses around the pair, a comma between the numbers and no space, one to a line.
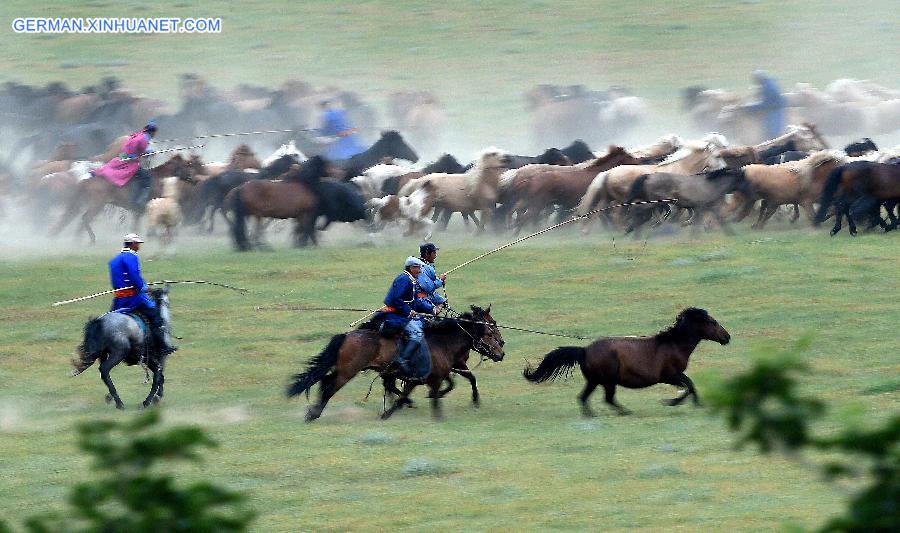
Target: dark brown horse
(537,187)
(94,193)
(280,199)
(862,185)
(348,354)
(634,362)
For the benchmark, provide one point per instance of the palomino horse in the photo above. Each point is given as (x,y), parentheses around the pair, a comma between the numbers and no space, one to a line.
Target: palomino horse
(94,193)
(466,193)
(116,337)
(634,362)
(614,185)
(348,354)
(792,183)
(534,188)
(864,186)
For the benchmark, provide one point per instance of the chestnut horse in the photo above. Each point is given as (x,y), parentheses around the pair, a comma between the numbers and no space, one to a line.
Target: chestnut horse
(537,187)
(94,193)
(634,362)
(348,354)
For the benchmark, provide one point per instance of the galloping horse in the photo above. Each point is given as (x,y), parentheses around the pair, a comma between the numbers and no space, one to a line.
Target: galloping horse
(348,354)
(94,193)
(116,337)
(864,186)
(634,362)
(390,144)
(615,184)
(466,193)
(534,188)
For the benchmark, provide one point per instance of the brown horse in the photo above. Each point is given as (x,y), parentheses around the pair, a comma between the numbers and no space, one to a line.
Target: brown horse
(862,185)
(348,354)
(94,193)
(634,362)
(281,199)
(537,187)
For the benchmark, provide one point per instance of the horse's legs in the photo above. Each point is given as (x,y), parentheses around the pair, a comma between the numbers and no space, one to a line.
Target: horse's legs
(763,207)
(610,397)
(466,373)
(838,215)
(445,391)
(722,223)
(681,380)
(433,388)
(159,391)
(329,385)
(157,378)
(583,398)
(796,214)
(105,366)
(445,220)
(402,398)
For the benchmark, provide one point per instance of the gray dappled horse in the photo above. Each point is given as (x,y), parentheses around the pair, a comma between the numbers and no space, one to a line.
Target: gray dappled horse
(116,337)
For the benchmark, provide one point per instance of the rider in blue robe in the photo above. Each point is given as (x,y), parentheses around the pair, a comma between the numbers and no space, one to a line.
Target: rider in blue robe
(131,291)
(428,279)
(771,105)
(336,124)
(404,309)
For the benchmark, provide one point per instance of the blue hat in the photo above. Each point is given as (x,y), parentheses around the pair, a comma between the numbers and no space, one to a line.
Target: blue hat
(151,126)
(427,248)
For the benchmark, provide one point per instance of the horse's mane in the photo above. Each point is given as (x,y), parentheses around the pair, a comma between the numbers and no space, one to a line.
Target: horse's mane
(676,331)
(309,172)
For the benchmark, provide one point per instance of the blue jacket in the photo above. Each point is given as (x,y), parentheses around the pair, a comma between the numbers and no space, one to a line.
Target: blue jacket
(334,121)
(430,283)
(125,271)
(402,299)
(771,105)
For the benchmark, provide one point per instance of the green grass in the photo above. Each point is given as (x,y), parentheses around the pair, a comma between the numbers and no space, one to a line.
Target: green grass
(526,459)
(478,57)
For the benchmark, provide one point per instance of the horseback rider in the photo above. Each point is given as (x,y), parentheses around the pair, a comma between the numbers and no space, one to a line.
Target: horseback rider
(131,291)
(335,124)
(405,312)
(127,165)
(428,279)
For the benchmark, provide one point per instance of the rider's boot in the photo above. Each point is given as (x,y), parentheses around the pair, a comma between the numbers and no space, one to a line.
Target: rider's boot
(162,345)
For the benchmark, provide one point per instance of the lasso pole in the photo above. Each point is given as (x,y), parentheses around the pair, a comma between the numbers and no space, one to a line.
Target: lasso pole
(171,282)
(595,211)
(238,134)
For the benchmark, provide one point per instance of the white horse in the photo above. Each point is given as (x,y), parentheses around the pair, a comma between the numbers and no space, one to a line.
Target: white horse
(372,179)
(163,213)
(285,149)
(475,190)
(413,209)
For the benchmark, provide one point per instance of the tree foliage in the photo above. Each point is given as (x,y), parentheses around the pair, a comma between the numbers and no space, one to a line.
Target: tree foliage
(763,406)
(131,495)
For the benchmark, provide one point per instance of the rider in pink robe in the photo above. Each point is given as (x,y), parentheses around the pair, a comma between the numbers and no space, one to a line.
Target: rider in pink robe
(121,169)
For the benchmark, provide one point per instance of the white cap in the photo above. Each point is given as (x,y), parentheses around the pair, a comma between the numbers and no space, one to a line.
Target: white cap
(133,237)
(413,261)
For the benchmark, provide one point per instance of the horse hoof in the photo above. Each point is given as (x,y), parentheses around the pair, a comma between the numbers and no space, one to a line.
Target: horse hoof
(310,416)
(109,398)
(477,403)
(623,412)
(157,399)
(120,406)
(671,402)
(385,415)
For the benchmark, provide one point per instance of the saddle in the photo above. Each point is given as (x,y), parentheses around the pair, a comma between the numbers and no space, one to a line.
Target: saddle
(143,322)
(378,323)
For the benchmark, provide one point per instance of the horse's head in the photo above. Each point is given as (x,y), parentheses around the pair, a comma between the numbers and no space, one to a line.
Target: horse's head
(699,321)
(394,145)
(490,342)
(554,156)
(493,158)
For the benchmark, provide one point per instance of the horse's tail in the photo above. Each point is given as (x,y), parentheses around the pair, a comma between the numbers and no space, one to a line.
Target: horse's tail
(832,182)
(91,348)
(593,191)
(638,190)
(317,368)
(556,363)
(238,224)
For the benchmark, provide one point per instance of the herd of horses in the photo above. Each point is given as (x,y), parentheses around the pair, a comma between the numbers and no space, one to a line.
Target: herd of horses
(381,189)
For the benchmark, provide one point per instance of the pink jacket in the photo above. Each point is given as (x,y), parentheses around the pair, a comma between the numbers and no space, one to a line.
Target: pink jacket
(119,170)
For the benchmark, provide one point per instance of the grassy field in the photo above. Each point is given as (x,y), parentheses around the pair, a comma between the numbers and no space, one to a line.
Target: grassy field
(478,57)
(526,459)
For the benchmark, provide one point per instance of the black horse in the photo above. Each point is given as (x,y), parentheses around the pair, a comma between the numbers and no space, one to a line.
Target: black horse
(391,144)
(578,152)
(116,337)
(337,201)
(860,188)
(860,147)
